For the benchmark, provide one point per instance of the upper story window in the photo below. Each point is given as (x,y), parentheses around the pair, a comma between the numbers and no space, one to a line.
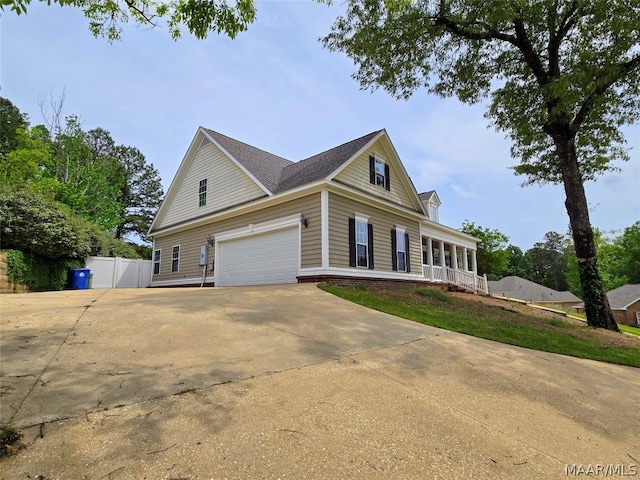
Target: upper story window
(202,193)
(156,261)
(379,173)
(434,214)
(175,258)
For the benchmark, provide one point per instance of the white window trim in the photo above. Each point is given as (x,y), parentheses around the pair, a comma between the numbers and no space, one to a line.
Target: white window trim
(173,259)
(400,232)
(362,219)
(159,261)
(200,192)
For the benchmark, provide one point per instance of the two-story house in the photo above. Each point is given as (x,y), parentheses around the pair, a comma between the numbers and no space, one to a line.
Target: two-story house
(237,215)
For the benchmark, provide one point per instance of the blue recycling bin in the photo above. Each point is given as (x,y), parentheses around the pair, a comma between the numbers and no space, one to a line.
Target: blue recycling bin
(79,278)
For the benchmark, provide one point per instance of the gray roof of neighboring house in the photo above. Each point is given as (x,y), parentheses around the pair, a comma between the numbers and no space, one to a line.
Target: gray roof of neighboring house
(620,298)
(279,174)
(517,287)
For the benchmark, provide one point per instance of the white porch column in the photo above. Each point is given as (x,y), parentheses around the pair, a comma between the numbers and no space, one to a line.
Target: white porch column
(454,257)
(465,259)
(474,262)
(429,258)
(442,260)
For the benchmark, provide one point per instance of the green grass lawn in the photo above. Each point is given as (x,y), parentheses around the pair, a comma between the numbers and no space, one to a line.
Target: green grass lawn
(629,329)
(499,323)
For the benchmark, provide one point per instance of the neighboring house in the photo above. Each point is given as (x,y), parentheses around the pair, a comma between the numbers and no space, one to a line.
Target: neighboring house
(521,289)
(237,215)
(625,304)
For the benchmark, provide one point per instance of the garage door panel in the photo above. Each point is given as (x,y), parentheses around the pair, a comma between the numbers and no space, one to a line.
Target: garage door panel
(268,258)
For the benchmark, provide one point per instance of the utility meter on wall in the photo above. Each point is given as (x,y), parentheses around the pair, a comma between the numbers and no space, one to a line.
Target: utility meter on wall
(204,250)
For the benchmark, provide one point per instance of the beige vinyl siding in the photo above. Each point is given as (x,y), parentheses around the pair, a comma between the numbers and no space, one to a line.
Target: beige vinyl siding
(341,209)
(191,240)
(357,175)
(227,185)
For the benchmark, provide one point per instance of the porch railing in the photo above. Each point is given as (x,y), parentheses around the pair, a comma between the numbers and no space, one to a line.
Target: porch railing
(463,278)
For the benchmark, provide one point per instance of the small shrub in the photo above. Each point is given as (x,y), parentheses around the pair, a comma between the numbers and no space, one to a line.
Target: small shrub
(363,287)
(435,294)
(9,438)
(39,273)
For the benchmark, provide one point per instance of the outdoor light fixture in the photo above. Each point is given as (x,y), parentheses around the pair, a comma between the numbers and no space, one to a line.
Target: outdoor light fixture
(211,240)
(304,220)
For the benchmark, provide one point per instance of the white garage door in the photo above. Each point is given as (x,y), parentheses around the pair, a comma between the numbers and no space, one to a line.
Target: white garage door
(268,258)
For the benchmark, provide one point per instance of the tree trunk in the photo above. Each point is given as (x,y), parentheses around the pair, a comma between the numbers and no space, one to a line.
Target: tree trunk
(595,299)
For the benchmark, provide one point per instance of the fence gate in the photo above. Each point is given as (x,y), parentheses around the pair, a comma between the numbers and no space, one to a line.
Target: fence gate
(117,272)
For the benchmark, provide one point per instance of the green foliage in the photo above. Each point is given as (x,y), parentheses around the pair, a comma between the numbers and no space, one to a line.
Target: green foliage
(628,264)
(39,273)
(30,223)
(492,256)
(12,120)
(199,16)
(540,63)
(549,262)
(89,184)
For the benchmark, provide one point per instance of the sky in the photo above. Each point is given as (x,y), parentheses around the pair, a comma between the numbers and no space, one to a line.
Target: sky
(275,87)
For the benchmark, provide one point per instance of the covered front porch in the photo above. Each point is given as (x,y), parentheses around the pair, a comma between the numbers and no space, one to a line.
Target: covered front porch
(449,256)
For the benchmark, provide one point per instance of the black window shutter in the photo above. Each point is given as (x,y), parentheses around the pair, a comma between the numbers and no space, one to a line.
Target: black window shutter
(407,255)
(370,246)
(352,242)
(387,178)
(372,170)
(394,250)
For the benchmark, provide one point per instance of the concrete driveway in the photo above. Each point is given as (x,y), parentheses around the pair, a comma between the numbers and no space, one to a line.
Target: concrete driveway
(291,382)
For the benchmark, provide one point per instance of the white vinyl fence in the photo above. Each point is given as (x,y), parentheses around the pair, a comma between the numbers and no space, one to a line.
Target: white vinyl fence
(110,272)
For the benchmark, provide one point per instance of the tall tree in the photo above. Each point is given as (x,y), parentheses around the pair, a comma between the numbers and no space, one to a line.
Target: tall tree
(140,192)
(548,262)
(89,185)
(629,257)
(562,78)
(491,255)
(12,120)
(518,263)
(200,17)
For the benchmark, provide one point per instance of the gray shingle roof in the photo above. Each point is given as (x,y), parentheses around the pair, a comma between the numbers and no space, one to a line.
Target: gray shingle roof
(517,287)
(321,165)
(265,166)
(279,174)
(623,296)
(425,196)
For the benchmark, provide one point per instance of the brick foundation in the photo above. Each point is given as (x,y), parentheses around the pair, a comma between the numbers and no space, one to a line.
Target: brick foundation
(343,281)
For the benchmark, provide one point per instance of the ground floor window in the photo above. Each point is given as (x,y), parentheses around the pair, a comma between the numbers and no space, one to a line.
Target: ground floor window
(175,258)
(156,261)
(362,244)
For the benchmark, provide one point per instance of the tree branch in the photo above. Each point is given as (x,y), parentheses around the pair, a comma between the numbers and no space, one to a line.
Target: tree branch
(147,18)
(530,56)
(603,82)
